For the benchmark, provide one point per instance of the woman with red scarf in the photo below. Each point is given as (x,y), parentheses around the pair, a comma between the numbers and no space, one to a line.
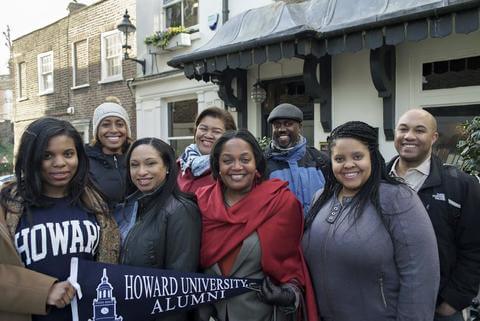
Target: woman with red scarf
(252,228)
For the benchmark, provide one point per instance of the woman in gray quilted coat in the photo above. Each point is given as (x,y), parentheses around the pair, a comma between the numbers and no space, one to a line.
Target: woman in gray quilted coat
(369,243)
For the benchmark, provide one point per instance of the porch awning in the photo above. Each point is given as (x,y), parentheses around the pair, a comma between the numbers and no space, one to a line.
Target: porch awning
(320,27)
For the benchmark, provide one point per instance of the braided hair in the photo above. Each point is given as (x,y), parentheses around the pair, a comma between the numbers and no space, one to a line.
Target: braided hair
(370,190)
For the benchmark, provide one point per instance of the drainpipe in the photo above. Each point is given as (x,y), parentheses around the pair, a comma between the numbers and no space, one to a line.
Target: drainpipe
(224,11)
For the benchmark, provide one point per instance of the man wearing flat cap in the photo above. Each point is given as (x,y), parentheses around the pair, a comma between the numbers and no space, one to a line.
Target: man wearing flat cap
(290,159)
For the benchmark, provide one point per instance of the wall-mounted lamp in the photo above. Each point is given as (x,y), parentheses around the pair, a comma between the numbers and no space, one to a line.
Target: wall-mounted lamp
(126,27)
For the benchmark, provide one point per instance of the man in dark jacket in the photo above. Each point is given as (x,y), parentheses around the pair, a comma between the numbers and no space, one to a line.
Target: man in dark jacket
(451,198)
(290,159)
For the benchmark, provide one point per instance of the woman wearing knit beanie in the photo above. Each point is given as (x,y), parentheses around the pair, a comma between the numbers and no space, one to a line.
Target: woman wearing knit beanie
(111,139)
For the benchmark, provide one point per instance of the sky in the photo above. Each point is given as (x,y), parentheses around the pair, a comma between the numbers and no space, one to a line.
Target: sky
(25,16)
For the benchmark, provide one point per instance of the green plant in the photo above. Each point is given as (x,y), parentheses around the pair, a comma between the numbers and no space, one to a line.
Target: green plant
(162,38)
(6,153)
(469,147)
(264,142)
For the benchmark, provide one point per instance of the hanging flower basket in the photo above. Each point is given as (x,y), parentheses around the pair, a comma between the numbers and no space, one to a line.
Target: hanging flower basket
(170,39)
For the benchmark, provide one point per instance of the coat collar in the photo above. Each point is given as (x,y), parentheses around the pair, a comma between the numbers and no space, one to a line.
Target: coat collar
(435,176)
(433,179)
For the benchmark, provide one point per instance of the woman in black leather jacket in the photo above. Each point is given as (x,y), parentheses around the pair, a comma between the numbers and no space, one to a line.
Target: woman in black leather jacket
(160,225)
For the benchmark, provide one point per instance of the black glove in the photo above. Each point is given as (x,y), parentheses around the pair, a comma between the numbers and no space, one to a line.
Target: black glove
(282,295)
(204,312)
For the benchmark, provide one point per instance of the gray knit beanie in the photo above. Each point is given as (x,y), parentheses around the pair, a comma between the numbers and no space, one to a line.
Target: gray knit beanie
(110,109)
(286,111)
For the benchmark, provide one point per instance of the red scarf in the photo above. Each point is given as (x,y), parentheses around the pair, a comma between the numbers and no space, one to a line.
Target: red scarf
(189,183)
(275,214)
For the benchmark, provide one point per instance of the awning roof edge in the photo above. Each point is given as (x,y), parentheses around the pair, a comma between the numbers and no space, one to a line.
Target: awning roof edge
(288,35)
(374,27)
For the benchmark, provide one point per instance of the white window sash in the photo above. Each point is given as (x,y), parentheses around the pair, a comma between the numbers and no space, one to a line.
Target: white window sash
(45,73)
(167,4)
(111,56)
(22,78)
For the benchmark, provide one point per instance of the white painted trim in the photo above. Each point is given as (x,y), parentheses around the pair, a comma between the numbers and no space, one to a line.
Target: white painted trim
(164,19)
(441,97)
(174,94)
(179,137)
(103,78)
(79,87)
(110,79)
(83,125)
(41,85)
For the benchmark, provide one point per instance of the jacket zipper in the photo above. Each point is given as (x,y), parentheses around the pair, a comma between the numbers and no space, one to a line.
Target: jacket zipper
(119,171)
(382,292)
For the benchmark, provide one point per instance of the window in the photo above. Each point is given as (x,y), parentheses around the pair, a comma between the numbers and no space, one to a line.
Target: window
(45,73)
(453,73)
(449,130)
(180,13)
(111,44)
(83,127)
(181,116)
(80,63)
(22,81)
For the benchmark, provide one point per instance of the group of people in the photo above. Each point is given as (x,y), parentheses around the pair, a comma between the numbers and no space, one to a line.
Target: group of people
(336,237)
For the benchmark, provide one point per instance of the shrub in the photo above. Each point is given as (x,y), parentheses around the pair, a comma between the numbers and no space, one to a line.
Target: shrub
(469,147)
(162,38)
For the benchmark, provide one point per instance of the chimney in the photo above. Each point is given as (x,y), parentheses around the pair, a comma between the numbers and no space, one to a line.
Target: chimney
(75,6)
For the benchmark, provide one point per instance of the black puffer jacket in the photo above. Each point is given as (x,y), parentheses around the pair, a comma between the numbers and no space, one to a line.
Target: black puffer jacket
(166,237)
(108,173)
(452,200)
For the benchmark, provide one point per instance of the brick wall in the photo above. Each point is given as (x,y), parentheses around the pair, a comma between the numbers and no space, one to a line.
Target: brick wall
(85,24)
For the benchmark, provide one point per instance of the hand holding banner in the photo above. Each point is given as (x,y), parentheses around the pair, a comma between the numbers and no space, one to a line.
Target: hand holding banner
(128,293)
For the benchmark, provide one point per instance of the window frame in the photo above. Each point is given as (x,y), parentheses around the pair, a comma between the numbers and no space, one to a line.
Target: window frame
(170,105)
(468,112)
(439,97)
(173,2)
(83,127)
(21,94)
(41,85)
(103,59)
(74,67)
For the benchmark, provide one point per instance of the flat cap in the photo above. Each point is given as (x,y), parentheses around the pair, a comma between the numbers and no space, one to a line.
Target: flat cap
(286,111)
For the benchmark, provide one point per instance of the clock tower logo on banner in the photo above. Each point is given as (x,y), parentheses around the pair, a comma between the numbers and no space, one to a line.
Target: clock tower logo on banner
(105,305)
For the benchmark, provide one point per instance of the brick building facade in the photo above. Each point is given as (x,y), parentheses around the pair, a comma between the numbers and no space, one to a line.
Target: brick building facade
(65,69)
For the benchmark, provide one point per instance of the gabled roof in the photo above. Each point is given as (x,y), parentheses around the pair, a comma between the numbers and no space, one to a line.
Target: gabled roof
(319,27)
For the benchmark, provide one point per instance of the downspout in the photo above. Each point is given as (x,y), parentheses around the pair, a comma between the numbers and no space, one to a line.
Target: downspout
(225,11)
